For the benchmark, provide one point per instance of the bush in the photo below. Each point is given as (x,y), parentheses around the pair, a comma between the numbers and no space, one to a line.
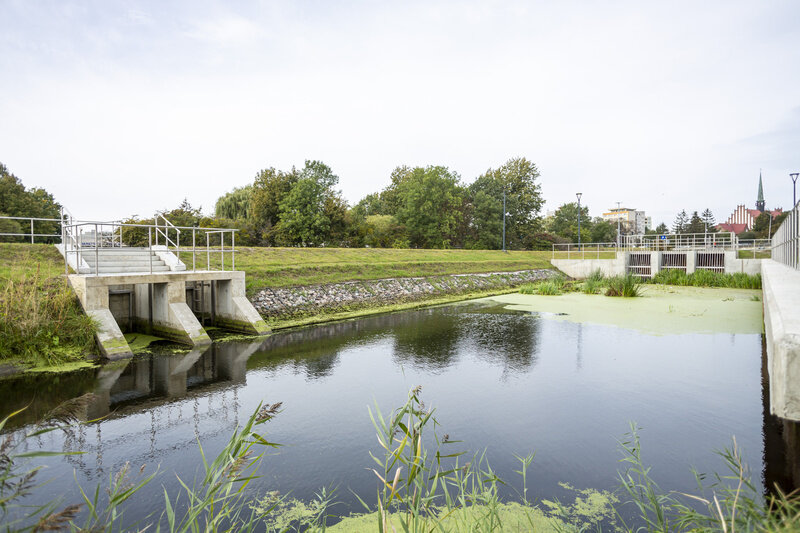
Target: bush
(707,278)
(626,286)
(549,287)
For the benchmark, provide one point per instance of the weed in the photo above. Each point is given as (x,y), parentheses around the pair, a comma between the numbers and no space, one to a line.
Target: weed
(626,286)
(549,287)
(707,278)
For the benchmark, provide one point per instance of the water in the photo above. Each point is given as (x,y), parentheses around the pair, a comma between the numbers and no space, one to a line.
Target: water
(507,382)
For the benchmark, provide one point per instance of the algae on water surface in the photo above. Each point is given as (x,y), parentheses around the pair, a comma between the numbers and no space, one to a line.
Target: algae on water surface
(660,310)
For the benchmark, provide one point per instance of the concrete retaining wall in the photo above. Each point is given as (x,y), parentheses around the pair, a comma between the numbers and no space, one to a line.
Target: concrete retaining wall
(582,268)
(781,286)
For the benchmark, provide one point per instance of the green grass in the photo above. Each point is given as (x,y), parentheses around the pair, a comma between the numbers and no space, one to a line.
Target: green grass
(751,254)
(289,267)
(707,278)
(41,321)
(549,287)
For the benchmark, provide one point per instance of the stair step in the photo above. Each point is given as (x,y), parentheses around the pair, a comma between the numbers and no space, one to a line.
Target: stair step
(126,269)
(118,264)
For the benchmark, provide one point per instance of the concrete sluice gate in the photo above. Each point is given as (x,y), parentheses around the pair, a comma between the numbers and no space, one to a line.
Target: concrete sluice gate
(648,264)
(172,305)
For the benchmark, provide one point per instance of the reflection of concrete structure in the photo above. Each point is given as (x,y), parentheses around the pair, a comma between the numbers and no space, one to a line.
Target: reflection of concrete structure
(168,377)
(631,220)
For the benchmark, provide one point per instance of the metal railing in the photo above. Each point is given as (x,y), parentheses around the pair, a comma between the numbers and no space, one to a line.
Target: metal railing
(85,242)
(589,250)
(30,222)
(786,241)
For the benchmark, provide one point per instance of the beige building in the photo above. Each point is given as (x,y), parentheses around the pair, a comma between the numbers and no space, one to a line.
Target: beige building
(631,220)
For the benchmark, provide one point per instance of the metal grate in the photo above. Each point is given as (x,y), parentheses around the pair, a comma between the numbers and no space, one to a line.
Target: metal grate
(673,261)
(639,264)
(710,261)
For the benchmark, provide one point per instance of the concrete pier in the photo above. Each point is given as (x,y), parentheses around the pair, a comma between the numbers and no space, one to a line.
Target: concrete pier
(159,304)
(781,286)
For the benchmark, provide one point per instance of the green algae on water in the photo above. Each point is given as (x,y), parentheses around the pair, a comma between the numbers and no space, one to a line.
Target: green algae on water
(660,310)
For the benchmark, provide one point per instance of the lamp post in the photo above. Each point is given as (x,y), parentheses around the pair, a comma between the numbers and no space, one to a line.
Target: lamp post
(794,175)
(579,194)
(619,235)
(504,218)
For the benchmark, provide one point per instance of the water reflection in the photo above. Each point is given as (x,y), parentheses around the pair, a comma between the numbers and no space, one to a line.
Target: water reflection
(572,387)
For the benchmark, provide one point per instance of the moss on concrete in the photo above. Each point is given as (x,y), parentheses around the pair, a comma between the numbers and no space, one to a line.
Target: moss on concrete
(660,310)
(64,367)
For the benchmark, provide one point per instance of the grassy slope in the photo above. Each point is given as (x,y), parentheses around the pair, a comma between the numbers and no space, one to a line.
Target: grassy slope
(287,267)
(41,322)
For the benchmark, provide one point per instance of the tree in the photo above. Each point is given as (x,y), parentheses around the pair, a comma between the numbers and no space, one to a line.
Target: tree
(269,189)
(709,220)
(235,204)
(602,230)
(696,224)
(518,178)
(761,226)
(312,211)
(565,222)
(681,223)
(17,201)
(430,205)
(662,229)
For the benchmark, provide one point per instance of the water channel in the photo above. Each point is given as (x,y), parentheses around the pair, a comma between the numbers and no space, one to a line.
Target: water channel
(509,382)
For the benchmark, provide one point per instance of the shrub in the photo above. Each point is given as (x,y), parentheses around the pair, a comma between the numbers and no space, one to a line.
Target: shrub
(708,278)
(549,287)
(626,286)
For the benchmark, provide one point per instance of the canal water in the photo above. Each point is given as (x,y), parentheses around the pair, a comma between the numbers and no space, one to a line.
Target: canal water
(507,382)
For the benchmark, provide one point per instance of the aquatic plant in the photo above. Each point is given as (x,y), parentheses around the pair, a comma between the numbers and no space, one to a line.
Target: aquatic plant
(548,287)
(707,278)
(626,286)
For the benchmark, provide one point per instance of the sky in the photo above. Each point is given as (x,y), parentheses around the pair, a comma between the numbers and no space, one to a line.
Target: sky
(126,108)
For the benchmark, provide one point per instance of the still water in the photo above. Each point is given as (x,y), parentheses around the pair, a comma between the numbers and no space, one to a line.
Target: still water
(505,382)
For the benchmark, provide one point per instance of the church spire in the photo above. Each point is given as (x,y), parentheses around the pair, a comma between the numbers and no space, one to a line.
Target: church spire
(760,200)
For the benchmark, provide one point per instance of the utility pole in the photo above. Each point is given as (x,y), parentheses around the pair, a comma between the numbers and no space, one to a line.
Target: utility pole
(619,235)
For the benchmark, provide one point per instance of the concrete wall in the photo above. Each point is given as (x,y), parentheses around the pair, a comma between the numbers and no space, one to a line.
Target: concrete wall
(781,289)
(582,268)
(748,266)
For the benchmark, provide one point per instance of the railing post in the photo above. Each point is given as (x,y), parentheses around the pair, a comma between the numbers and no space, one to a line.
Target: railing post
(150,246)
(233,250)
(193,249)
(222,250)
(208,253)
(31,230)
(96,254)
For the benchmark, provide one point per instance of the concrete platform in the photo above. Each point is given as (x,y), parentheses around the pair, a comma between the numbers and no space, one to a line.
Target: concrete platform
(159,305)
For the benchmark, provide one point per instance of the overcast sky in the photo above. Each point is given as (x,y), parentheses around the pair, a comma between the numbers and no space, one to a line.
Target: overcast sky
(122,108)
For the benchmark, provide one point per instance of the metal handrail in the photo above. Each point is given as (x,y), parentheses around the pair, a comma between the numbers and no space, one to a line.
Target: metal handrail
(586,250)
(32,234)
(786,240)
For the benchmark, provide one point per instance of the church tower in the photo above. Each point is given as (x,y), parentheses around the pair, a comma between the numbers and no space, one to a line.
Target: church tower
(760,200)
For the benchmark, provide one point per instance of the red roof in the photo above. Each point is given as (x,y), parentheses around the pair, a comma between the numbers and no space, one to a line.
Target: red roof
(736,228)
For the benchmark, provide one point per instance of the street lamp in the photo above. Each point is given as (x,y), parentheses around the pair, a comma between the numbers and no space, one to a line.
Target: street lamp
(619,235)
(504,218)
(579,194)
(794,175)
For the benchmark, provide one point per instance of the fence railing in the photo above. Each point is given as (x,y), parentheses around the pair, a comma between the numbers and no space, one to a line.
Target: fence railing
(680,241)
(590,250)
(33,227)
(85,243)
(786,241)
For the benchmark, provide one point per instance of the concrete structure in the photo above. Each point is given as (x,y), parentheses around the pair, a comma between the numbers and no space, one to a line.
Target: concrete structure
(631,220)
(648,264)
(781,286)
(159,303)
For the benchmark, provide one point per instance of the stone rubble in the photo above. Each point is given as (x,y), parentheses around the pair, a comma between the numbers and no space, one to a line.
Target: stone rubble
(301,300)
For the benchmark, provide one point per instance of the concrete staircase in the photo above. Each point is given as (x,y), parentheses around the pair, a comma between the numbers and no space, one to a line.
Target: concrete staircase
(122,260)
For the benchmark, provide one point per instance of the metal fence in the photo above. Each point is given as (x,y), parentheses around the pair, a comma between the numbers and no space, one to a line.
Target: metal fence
(87,241)
(590,250)
(33,228)
(786,241)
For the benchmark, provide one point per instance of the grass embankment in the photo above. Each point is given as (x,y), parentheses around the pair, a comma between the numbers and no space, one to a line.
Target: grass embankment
(289,267)
(41,321)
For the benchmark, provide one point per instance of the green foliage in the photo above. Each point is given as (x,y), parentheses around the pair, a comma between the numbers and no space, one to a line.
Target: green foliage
(565,222)
(430,205)
(707,278)
(626,286)
(681,224)
(594,282)
(550,287)
(41,321)
(518,177)
(662,229)
(235,205)
(696,224)
(17,201)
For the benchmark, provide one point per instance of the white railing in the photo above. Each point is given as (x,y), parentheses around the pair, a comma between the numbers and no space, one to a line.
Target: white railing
(786,241)
(680,241)
(29,224)
(84,240)
(589,250)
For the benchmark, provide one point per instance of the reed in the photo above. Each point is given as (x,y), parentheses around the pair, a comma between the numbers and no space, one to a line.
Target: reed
(626,286)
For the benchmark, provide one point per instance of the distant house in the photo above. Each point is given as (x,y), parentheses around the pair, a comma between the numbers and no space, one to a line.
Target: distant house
(631,220)
(743,219)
